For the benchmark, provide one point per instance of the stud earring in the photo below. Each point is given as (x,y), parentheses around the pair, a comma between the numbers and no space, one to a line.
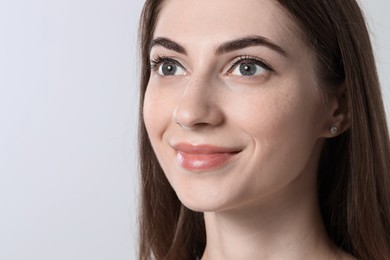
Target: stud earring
(333,130)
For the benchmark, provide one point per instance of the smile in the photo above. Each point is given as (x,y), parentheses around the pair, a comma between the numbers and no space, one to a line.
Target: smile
(203,157)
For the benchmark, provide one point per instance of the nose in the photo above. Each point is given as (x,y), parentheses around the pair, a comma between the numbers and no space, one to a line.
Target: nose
(199,105)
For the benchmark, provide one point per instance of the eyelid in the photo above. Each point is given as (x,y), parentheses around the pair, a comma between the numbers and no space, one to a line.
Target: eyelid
(238,60)
(156,61)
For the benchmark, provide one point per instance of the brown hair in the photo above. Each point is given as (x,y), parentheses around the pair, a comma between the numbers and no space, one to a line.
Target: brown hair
(354,169)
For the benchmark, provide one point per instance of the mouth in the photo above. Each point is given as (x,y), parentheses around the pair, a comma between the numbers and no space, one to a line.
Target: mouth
(205,157)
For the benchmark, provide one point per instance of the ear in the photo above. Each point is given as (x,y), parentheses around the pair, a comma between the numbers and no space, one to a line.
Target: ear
(337,111)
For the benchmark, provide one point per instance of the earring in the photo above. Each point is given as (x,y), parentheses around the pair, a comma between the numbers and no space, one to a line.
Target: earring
(333,130)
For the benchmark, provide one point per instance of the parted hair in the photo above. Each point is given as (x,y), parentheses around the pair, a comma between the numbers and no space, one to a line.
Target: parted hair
(354,168)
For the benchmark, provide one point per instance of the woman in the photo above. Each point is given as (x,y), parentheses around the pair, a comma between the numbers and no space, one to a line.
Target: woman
(263,133)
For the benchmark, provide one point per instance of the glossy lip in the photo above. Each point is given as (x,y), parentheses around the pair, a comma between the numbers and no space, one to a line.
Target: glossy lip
(203,157)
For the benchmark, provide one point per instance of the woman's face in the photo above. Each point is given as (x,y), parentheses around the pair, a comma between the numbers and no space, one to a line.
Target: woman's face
(232,108)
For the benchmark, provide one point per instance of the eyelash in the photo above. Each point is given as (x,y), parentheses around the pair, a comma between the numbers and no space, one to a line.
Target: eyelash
(158,60)
(249,58)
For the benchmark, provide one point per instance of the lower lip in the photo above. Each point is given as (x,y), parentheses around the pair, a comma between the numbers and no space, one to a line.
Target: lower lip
(202,162)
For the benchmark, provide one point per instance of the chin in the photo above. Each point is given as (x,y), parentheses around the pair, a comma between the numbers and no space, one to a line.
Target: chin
(201,207)
(203,202)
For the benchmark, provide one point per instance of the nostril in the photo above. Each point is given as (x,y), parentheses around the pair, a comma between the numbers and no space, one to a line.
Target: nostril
(183,125)
(197,109)
(187,119)
(197,117)
(192,126)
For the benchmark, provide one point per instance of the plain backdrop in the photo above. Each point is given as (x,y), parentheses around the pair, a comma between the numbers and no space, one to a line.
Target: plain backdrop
(68,120)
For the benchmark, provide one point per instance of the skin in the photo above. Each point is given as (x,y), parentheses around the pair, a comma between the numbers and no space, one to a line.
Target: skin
(261,203)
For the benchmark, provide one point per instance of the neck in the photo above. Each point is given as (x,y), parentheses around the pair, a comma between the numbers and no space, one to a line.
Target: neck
(286,225)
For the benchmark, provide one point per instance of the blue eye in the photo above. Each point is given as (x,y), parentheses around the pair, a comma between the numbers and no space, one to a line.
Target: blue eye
(167,67)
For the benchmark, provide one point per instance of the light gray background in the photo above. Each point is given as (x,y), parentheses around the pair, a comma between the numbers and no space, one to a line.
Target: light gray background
(68,108)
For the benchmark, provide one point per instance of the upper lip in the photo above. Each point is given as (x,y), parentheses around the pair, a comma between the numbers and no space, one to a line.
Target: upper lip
(203,149)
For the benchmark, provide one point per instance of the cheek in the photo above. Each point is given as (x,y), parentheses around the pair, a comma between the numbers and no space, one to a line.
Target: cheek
(283,126)
(156,112)
(270,116)
(290,107)
(155,120)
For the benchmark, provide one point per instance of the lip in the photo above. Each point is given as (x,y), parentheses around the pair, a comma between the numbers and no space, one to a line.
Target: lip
(203,157)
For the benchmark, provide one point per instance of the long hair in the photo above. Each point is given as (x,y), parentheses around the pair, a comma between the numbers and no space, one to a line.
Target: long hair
(354,168)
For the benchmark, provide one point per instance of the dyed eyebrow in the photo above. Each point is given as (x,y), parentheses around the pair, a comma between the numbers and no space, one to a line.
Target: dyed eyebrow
(225,47)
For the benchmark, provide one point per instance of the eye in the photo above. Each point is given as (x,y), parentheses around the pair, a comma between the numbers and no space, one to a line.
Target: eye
(248,67)
(170,69)
(167,67)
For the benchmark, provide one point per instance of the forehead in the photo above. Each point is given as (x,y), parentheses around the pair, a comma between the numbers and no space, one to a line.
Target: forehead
(208,21)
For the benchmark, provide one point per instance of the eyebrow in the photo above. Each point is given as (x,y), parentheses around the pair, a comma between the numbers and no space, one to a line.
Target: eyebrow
(246,42)
(168,44)
(229,46)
